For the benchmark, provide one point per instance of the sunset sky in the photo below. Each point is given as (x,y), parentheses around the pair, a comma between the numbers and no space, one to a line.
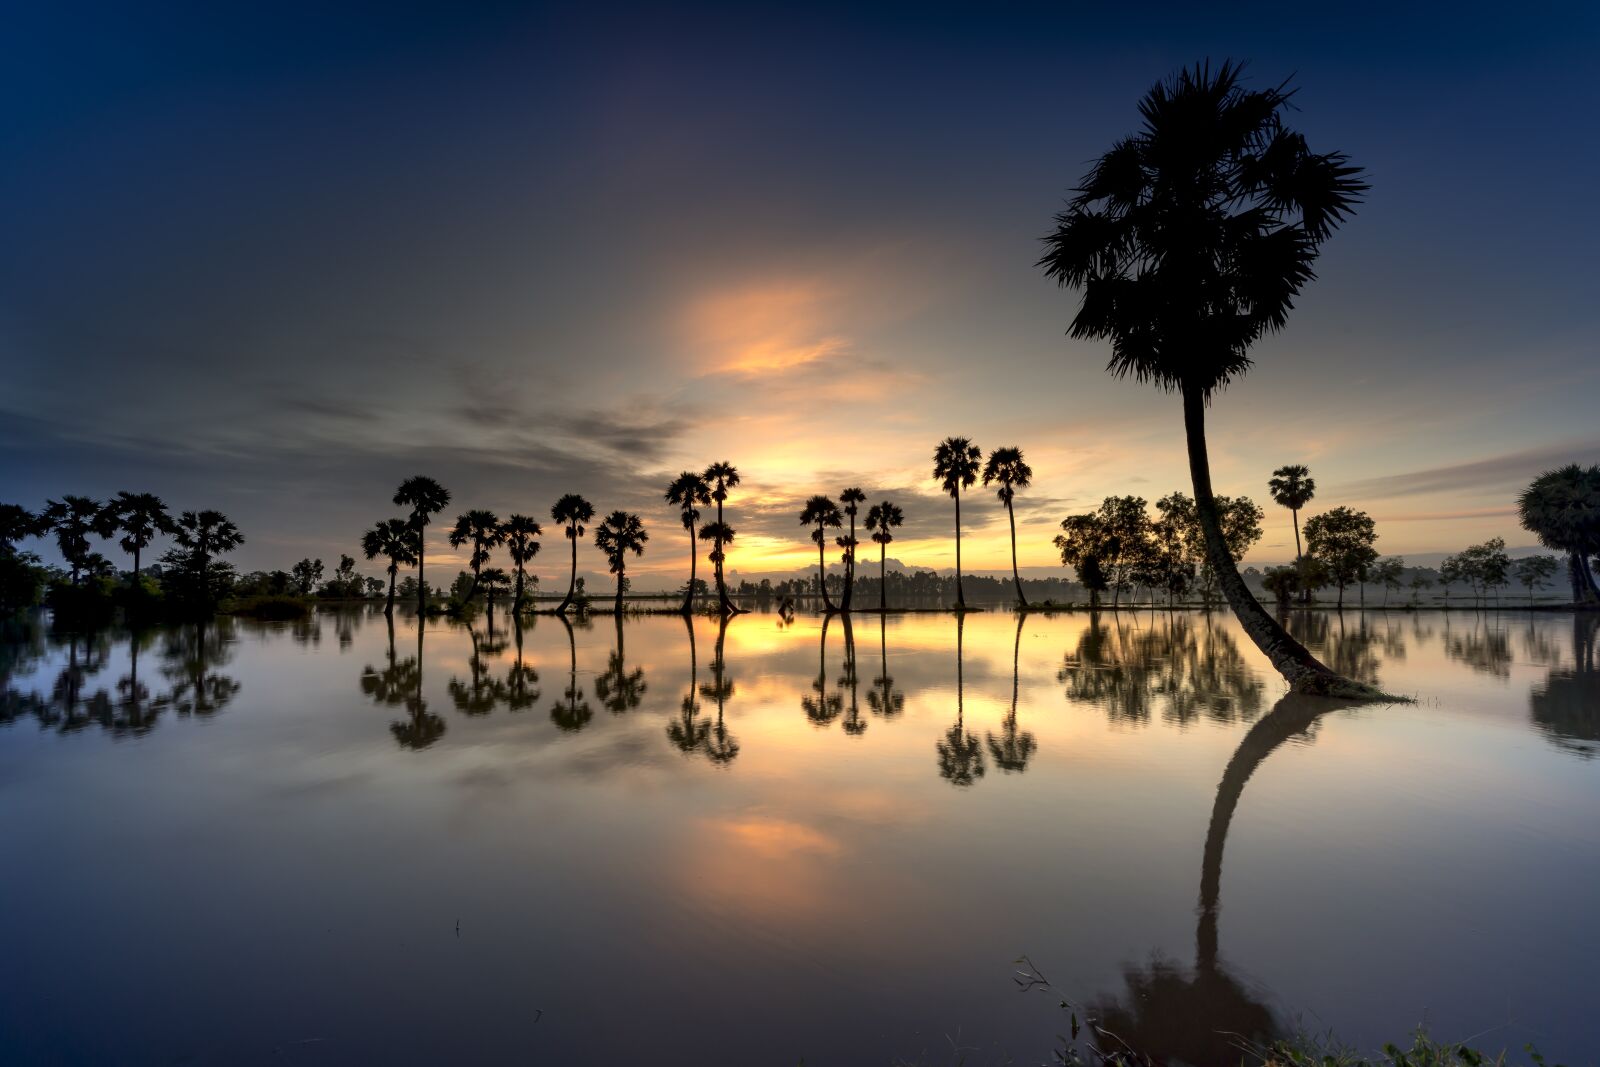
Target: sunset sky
(274,262)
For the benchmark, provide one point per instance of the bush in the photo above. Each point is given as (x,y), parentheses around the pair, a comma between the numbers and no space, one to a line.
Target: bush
(269,607)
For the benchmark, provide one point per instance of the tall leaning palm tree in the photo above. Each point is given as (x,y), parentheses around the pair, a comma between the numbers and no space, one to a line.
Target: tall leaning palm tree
(571,511)
(882,519)
(482,529)
(1562,507)
(1293,487)
(822,512)
(1190,240)
(619,534)
(1007,467)
(851,498)
(397,540)
(689,492)
(722,476)
(138,517)
(955,465)
(522,544)
(426,498)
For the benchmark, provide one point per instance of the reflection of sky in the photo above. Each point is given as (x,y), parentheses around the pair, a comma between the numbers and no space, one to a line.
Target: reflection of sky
(283,871)
(275,265)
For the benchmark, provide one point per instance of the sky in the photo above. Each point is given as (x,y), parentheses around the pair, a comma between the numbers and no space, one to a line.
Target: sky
(276,259)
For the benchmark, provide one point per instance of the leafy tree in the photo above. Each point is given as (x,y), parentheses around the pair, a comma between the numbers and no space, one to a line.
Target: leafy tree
(619,534)
(138,517)
(883,518)
(192,566)
(571,511)
(521,539)
(1483,567)
(1240,522)
(494,581)
(1342,540)
(1418,583)
(1166,561)
(395,539)
(689,492)
(1082,542)
(823,513)
(482,529)
(346,583)
(307,575)
(1534,571)
(1007,467)
(722,477)
(1190,239)
(73,520)
(1114,537)
(17,523)
(426,498)
(1387,572)
(955,466)
(1562,507)
(851,498)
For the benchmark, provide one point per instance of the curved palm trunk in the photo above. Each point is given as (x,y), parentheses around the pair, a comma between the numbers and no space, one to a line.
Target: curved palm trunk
(1015,575)
(849,569)
(1299,557)
(724,604)
(822,570)
(961,601)
(1584,590)
(694,559)
(572,582)
(1016,674)
(1303,671)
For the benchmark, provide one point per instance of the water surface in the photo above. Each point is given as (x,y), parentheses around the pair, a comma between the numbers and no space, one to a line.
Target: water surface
(329,842)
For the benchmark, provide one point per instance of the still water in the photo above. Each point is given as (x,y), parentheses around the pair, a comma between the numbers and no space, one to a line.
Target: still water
(336,842)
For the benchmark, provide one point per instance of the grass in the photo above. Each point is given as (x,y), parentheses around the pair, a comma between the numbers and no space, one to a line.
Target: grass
(269,607)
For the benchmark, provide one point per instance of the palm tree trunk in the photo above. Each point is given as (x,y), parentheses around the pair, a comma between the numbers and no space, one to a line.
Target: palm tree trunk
(849,569)
(1303,671)
(724,604)
(822,570)
(1015,576)
(388,608)
(422,580)
(136,564)
(961,601)
(516,601)
(621,579)
(883,577)
(572,582)
(688,596)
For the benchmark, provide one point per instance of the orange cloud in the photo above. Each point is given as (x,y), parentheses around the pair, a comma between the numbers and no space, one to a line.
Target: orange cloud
(761,329)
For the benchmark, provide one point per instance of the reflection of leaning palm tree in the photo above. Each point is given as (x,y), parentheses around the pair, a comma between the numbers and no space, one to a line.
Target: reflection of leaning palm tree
(883,698)
(482,692)
(1208,1016)
(619,689)
(687,733)
(854,724)
(1566,705)
(575,714)
(721,747)
(960,753)
(822,706)
(521,679)
(1013,748)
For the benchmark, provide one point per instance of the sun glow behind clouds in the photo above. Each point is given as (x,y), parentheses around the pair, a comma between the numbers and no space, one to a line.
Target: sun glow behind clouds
(763,329)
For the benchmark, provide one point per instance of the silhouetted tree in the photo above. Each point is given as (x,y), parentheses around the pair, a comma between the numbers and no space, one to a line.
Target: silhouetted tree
(307,574)
(960,754)
(1387,573)
(521,539)
(1534,571)
(883,698)
(426,498)
(883,518)
(618,535)
(722,477)
(73,520)
(482,529)
(17,523)
(575,714)
(618,688)
(1342,540)
(395,540)
(955,465)
(572,511)
(689,492)
(1563,508)
(201,537)
(1293,487)
(1239,519)
(1114,538)
(721,746)
(851,498)
(822,513)
(1006,466)
(138,517)
(1013,749)
(1190,240)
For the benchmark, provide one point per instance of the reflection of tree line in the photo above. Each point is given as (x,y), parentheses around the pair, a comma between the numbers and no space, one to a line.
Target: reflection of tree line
(188,681)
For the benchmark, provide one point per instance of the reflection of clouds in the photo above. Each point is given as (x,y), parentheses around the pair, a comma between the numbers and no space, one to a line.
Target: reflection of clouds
(763,865)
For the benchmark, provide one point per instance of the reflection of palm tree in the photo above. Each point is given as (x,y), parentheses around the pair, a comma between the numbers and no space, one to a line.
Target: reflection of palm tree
(955,464)
(619,689)
(1566,705)
(193,655)
(687,733)
(404,681)
(720,747)
(575,714)
(883,698)
(137,712)
(481,693)
(1012,749)
(521,678)
(853,722)
(822,706)
(960,753)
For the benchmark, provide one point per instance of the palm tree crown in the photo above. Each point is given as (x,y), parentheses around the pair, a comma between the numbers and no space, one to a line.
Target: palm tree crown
(138,517)
(620,533)
(482,529)
(882,518)
(426,498)
(522,544)
(397,540)
(1007,467)
(955,464)
(1292,487)
(1562,507)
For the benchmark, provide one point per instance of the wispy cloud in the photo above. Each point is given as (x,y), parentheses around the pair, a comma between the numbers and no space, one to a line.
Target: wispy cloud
(1496,474)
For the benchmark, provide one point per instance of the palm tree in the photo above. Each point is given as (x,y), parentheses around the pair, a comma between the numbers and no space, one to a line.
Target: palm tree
(687,733)
(1013,748)
(1190,240)
(824,707)
(884,698)
(138,517)
(521,539)
(955,464)
(572,511)
(1293,487)
(960,754)
(482,528)
(16,523)
(882,518)
(396,539)
(202,535)
(1563,508)
(426,498)
(75,519)
(1007,467)
(689,492)
(850,498)
(722,476)
(618,535)
(575,714)
(823,512)
(721,747)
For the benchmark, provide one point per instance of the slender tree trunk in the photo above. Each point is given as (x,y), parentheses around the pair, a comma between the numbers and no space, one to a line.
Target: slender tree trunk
(1016,576)
(726,605)
(688,596)
(822,569)
(572,582)
(516,600)
(849,569)
(136,564)
(961,600)
(883,577)
(422,579)
(472,590)
(1303,671)
(388,608)
(621,580)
